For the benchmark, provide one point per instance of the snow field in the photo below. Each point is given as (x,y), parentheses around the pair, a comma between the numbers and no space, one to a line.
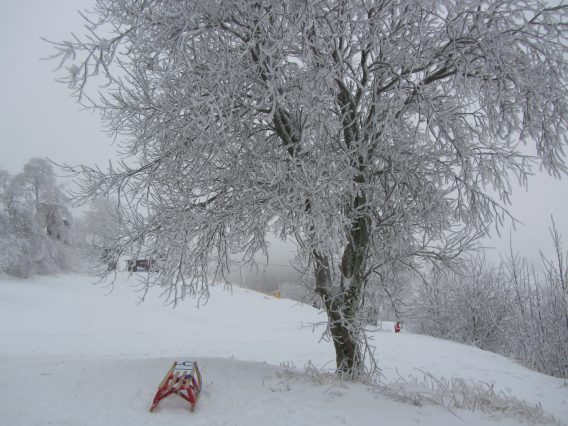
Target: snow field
(73,353)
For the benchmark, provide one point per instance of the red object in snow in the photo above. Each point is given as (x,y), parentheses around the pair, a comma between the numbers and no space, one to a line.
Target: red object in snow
(183,379)
(397,327)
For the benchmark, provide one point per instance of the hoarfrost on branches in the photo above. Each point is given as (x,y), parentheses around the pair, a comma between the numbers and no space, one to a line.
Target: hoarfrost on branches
(369,131)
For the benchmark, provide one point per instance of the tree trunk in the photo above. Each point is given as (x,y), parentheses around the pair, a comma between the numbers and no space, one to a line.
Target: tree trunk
(345,333)
(342,302)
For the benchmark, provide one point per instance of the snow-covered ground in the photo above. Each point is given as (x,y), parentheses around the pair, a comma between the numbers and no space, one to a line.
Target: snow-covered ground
(73,353)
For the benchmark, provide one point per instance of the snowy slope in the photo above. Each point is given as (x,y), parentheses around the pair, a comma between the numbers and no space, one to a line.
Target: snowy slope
(78,354)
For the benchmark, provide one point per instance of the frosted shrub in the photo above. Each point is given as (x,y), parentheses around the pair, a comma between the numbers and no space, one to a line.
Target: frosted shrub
(515,309)
(466,303)
(537,326)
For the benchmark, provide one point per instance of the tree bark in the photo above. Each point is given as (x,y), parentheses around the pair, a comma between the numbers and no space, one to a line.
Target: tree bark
(342,303)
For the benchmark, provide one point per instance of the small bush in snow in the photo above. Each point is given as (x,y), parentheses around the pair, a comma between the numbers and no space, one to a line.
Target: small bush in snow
(458,394)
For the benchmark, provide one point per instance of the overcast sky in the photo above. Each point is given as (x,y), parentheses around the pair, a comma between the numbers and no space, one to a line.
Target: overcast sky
(38,117)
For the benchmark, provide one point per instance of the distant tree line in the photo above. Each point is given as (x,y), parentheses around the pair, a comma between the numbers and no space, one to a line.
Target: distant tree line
(38,234)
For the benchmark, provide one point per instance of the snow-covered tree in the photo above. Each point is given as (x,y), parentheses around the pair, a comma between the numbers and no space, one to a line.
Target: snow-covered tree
(99,228)
(34,221)
(371,132)
(37,186)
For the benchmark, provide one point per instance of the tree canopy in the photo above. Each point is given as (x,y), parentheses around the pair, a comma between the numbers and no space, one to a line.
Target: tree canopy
(374,133)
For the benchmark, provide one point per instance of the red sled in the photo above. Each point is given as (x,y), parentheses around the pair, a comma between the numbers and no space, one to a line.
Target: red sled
(183,379)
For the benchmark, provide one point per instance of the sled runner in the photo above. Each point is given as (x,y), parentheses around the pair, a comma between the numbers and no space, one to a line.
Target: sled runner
(183,379)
